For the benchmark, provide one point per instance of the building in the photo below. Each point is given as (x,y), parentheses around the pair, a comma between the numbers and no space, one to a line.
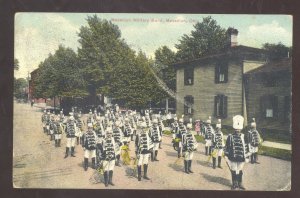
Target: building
(268,94)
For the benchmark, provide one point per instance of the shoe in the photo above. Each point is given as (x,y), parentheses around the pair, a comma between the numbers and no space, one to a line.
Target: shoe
(219,162)
(93,163)
(239,181)
(155,156)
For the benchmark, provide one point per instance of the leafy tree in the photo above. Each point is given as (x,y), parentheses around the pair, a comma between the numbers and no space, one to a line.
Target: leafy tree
(164,58)
(59,75)
(208,37)
(278,51)
(20,85)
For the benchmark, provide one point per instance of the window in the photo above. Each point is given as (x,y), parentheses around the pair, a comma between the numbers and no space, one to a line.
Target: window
(269,106)
(189,76)
(188,105)
(220,106)
(221,72)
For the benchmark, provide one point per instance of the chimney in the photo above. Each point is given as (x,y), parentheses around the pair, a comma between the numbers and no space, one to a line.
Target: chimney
(232,37)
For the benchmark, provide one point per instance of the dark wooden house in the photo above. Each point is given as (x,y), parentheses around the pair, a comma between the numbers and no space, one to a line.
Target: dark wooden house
(268,94)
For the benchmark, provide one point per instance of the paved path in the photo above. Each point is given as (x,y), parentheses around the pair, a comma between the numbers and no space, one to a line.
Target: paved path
(38,164)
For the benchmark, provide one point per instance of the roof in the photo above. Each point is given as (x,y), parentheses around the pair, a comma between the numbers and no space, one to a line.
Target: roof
(278,66)
(236,51)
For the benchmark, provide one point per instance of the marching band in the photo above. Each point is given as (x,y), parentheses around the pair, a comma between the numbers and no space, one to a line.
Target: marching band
(107,138)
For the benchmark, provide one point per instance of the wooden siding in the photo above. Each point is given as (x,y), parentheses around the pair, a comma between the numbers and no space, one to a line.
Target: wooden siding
(256,88)
(205,89)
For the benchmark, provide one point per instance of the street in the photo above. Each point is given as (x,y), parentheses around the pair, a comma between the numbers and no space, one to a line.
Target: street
(38,164)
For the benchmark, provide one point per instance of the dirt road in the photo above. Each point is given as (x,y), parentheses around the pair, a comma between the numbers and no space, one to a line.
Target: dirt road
(38,164)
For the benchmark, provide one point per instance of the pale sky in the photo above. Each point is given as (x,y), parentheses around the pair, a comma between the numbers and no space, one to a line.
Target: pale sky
(39,34)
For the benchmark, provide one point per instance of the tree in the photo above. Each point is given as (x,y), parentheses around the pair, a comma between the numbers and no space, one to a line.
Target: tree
(16,64)
(164,58)
(278,51)
(20,86)
(60,75)
(208,37)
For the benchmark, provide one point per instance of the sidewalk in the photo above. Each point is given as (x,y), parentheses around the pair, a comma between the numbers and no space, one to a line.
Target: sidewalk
(265,143)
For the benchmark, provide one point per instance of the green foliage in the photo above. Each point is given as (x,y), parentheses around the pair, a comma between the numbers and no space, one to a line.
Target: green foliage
(208,37)
(20,85)
(276,52)
(164,58)
(60,75)
(275,152)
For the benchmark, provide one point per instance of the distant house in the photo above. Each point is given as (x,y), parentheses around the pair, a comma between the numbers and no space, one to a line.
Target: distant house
(268,93)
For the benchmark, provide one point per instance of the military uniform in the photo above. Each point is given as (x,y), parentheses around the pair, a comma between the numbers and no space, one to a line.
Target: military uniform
(118,136)
(89,145)
(236,152)
(108,155)
(144,147)
(189,146)
(79,132)
(155,135)
(253,141)
(58,129)
(218,144)
(70,133)
(208,135)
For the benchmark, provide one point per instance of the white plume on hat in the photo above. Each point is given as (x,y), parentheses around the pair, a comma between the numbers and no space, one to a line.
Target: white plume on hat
(189,126)
(90,125)
(238,122)
(180,120)
(253,123)
(98,118)
(209,120)
(175,118)
(155,121)
(71,118)
(218,125)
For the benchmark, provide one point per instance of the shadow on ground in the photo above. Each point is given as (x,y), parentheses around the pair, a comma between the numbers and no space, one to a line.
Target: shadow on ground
(216,179)
(204,163)
(169,153)
(176,166)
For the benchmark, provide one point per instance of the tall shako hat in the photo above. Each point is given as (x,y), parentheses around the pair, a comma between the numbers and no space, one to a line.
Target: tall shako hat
(208,121)
(238,122)
(253,123)
(218,125)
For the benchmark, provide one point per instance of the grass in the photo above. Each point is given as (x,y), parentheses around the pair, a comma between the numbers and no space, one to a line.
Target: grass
(263,150)
(275,152)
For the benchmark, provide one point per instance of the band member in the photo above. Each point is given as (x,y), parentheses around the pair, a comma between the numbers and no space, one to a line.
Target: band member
(155,135)
(99,129)
(89,146)
(197,127)
(117,135)
(79,132)
(90,118)
(108,155)
(52,126)
(236,152)
(144,147)
(208,134)
(57,132)
(161,129)
(218,144)
(148,120)
(175,128)
(127,132)
(182,131)
(133,125)
(44,116)
(189,146)
(47,122)
(253,140)
(70,131)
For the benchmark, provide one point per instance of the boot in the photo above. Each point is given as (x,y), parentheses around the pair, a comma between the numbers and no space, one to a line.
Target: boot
(219,162)
(256,158)
(86,162)
(209,150)
(67,152)
(190,166)
(139,168)
(72,151)
(155,157)
(145,172)
(179,153)
(56,143)
(93,163)
(59,140)
(152,157)
(110,178)
(239,181)
(186,167)
(106,178)
(77,140)
(234,182)
(206,150)
(118,161)
(252,158)
(214,162)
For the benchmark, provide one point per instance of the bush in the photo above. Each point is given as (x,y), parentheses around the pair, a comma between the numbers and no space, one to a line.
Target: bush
(275,152)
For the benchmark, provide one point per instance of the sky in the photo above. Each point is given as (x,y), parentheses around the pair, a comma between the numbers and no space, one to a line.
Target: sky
(39,34)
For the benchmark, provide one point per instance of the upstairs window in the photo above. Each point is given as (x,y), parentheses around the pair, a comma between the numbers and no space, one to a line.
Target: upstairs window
(220,106)
(188,105)
(221,72)
(189,76)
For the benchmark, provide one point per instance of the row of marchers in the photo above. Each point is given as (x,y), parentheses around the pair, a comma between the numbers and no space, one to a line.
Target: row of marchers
(106,135)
